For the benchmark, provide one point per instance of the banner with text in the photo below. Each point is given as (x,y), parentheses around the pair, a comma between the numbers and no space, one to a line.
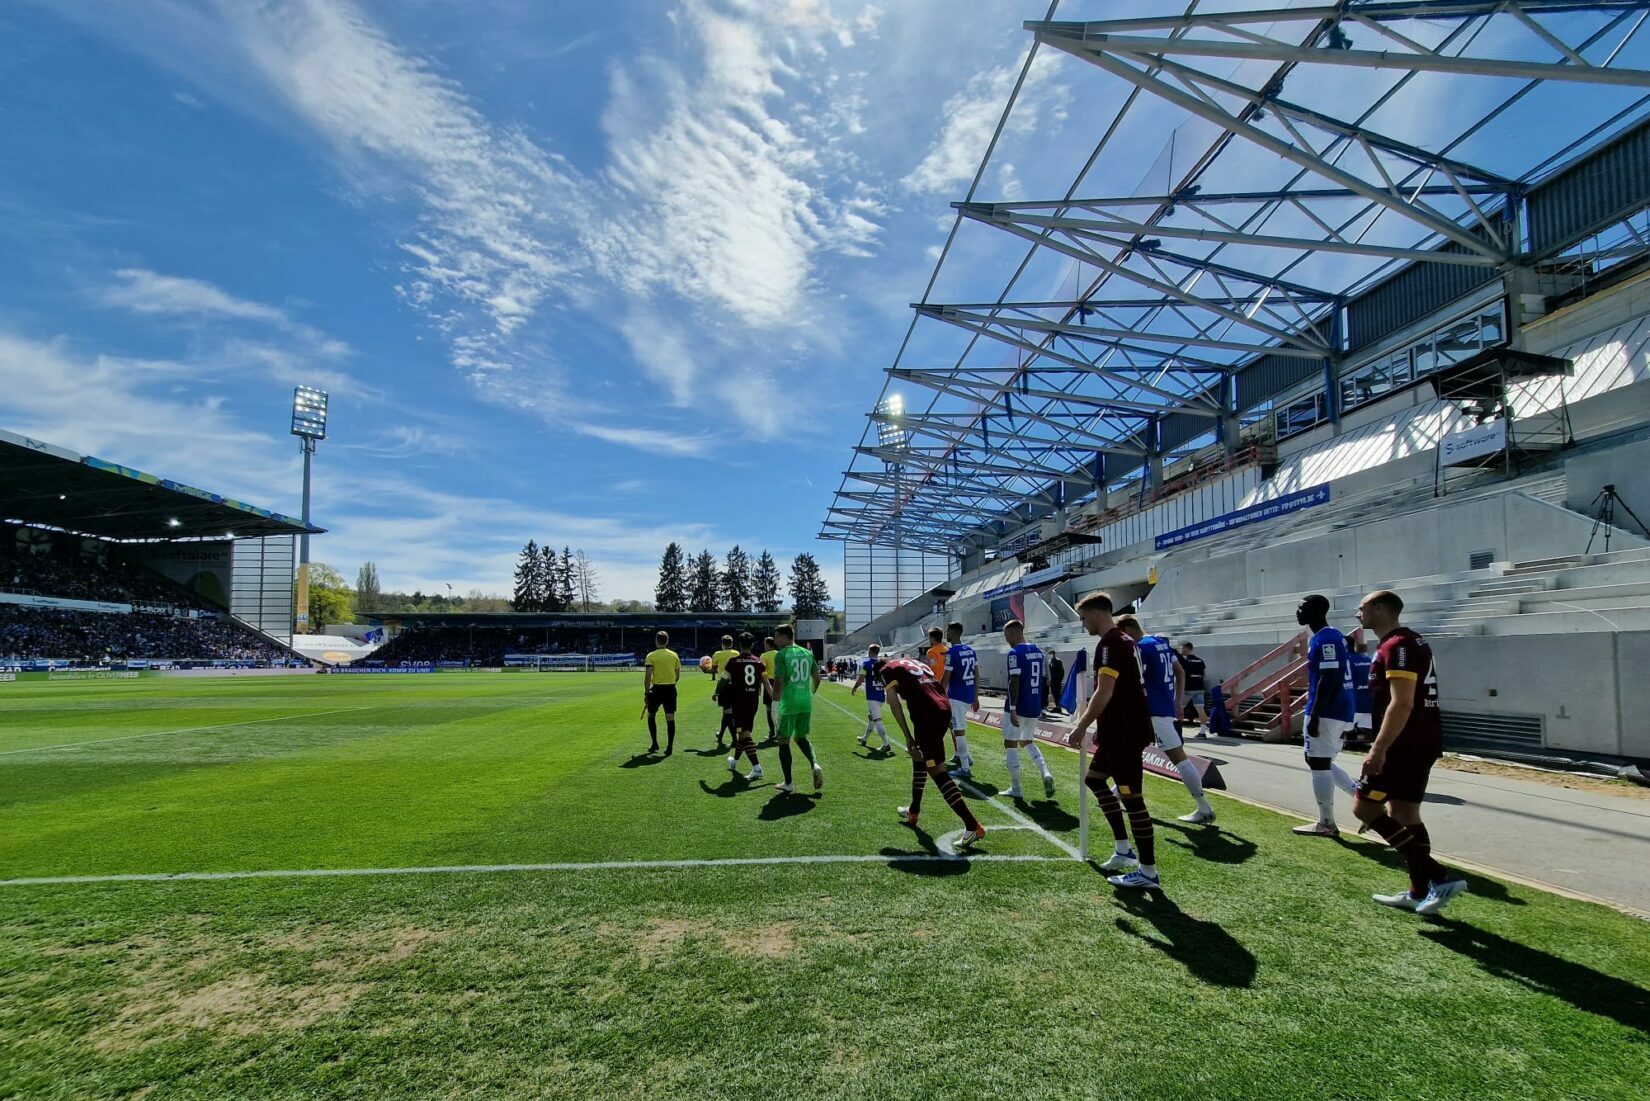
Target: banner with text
(1254,514)
(1473,443)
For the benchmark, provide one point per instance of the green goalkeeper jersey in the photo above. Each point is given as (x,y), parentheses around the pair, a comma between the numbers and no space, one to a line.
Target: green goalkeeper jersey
(794,670)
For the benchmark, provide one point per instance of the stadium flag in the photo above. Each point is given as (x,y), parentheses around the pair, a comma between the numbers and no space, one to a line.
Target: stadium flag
(1068,695)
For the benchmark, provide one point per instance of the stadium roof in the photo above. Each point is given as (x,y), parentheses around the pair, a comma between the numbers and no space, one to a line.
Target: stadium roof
(42,484)
(1329,174)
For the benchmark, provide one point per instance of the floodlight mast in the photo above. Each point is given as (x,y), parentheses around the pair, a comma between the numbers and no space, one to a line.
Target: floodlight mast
(309,424)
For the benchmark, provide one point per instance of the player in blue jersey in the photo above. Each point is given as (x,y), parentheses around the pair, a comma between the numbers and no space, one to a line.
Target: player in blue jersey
(1363,728)
(875,697)
(960,683)
(1023,707)
(1166,699)
(1330,702)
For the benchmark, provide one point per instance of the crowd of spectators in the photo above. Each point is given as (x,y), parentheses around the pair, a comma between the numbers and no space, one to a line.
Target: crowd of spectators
(60,569)
(96,637)
(486,646)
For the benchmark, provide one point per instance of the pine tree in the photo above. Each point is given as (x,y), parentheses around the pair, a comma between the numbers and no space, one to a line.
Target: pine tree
(671,594)
(809,596)
(705,586)
(765,585)
(567,582)
(736,581)
(529,592)
(549,600)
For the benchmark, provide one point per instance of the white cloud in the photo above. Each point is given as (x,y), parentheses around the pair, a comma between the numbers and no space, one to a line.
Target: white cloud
(647,439)
(971,117)
(147,292)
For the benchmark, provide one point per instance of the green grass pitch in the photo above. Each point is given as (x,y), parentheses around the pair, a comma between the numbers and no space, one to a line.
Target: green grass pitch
(1265,972)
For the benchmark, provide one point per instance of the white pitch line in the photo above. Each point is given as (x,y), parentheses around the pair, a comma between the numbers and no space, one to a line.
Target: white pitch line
(481,869)
(1029,824)
(185,730)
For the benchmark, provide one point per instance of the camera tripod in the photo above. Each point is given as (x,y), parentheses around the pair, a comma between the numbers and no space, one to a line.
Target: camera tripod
(1604,515)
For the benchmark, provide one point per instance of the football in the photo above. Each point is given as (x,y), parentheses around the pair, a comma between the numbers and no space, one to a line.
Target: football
(705,664)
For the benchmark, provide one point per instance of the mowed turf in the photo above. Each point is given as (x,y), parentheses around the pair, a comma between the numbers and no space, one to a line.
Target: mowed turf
(1264,972)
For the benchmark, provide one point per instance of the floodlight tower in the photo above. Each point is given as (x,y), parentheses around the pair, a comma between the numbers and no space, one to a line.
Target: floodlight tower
(309,424)
(894,436)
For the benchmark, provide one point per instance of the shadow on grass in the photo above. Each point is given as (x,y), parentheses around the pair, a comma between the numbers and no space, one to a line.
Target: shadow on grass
(1383,854)
(734,785)
(927,860)
(1209,843)
(1445,800)
(979,788)
(787,804)
(876,754)
(1208,952)
(1544,973)
(642,760)
(1048,814)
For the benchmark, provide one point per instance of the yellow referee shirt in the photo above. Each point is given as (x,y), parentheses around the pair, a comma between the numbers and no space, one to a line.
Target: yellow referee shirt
(719,661)
(666,666)
(767,661)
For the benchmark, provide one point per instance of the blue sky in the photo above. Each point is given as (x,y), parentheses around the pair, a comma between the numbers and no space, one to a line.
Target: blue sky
(608,275)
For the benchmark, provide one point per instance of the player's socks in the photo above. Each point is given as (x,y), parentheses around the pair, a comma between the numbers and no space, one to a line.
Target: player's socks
(807,750)
(1036,756)
(1140,826)
(1414,844)
(882,729)
(1343,779)
(1194,783)
(670,732)
(1012,753)
(785,760)
(1323,790)
(963,758)
(954,798)
(653,733)
(1110,806)
(919,779)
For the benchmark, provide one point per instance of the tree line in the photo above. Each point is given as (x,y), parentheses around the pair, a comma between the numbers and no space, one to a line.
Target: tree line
(546,583)
(737,584)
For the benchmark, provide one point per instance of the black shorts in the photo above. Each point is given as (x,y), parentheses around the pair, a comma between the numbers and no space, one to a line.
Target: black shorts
(722,694)
(744,711)
(928,730)
(1120,759)
(1405,776)
(662,695)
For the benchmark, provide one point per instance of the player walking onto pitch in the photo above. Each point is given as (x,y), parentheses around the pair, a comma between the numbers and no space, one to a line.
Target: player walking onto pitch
(1165,696)
(960,684)
(769,650)
(1409,738)
(875,697)
(719,670)
(797,675)
(1022,708)
(664,672)
(1123,727)
(1197,684)
(913,682)
(1330,702)
(747,684)
(1360,661)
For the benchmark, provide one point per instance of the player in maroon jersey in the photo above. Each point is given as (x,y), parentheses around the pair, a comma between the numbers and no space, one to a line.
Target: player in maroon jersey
(744,690)
(911,684)
(1123,729)
(1409,737)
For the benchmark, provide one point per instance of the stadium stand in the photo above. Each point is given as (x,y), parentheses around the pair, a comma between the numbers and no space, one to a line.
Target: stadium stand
(554,639)
(85,546)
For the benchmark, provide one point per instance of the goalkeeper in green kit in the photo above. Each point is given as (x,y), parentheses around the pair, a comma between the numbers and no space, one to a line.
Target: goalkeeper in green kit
(796,675)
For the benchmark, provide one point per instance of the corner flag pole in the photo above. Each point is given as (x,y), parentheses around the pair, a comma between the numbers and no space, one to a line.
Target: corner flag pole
(1082,772)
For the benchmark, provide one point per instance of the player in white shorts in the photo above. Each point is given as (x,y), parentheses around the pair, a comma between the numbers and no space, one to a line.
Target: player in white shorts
(960,685)
(1330,701)
(874,698)
(1165,682)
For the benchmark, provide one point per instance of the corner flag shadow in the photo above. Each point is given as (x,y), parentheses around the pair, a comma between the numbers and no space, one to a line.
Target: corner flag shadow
(1203,948)
(875,754)
(714,751)
(1544,973)
(787,804)
(1210,843)
(1383,854)
(642,760)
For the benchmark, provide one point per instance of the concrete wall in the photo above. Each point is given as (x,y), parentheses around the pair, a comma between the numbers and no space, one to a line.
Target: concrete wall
(1511,526)
(1627,468)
